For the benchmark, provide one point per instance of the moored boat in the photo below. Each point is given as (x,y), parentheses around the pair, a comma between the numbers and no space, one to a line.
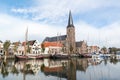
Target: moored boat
(60,56)
(25,57)
(87,55)
(35,57)
(21,57)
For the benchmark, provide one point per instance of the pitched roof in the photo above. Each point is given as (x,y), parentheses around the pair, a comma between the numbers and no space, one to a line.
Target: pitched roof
(54,44)
(70,20)
(56,38)
(94,47)
(79,44)
(1,41)
(29,42)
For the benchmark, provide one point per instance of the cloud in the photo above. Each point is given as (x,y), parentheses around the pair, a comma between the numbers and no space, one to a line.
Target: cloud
(56,12)
(14,29)
(46,17)
(106,36)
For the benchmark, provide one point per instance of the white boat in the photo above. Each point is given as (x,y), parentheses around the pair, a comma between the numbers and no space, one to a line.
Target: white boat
(98,56)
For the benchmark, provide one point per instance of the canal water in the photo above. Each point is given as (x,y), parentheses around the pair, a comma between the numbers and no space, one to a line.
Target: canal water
(72,69)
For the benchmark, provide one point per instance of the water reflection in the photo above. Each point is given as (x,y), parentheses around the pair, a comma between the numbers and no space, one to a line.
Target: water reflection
(72,69)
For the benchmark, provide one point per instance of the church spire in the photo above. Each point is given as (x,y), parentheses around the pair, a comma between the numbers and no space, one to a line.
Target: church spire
(70,20)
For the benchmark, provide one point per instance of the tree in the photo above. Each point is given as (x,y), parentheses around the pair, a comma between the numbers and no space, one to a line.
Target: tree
(16,44)
(113,50)
(15,48)
(104,49)
(4,69)
(28,49)
(14,70)
(43,47)
(6,47)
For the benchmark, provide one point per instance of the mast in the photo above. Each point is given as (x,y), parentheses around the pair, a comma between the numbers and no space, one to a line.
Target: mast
(26,39)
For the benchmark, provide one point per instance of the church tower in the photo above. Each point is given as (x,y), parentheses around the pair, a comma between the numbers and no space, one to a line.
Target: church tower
(71,47)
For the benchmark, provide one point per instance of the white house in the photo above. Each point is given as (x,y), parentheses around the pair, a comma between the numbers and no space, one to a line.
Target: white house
(35,47)
(32,47)
(1,48)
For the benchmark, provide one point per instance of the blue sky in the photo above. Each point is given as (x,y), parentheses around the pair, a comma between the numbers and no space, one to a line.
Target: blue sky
(96,21)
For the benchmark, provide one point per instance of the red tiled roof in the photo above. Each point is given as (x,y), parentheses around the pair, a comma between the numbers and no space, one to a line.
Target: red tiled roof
(23,43)
(54,44)
(94,46)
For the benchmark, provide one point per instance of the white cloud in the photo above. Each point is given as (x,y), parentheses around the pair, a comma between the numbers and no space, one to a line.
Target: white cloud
(106,36)
(56,11)
(56,8)
(14,29)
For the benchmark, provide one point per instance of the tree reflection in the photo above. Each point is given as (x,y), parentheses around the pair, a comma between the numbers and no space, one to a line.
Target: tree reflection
(14,70)
(4,69)
(114,61)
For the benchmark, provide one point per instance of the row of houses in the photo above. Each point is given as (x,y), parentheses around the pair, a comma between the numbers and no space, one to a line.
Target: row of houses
(33,47)
(46,47)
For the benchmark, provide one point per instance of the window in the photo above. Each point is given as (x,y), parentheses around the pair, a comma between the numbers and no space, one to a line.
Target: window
(69,30)
(0,51)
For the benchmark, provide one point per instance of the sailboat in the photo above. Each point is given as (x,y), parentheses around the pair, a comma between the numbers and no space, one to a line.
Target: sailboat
(26,55)
(23,56)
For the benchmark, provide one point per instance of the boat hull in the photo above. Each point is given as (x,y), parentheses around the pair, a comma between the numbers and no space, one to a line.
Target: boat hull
(25,57)
(21,57)
(59,56)
(35,57)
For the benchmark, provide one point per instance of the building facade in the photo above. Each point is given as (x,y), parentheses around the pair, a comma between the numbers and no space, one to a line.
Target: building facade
(1,48)
(33,47)
(52,47)
(93,49)
(81,47)
(67,40)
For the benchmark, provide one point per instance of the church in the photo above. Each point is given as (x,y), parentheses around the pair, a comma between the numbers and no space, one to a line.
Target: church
(68,41)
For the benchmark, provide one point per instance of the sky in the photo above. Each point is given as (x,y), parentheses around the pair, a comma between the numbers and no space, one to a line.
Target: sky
(96,21)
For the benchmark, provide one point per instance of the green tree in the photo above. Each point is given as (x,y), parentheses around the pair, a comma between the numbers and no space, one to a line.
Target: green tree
(14,70)
(15,48)
(43,47)
(113,50)
(4,69)
(6,47)
(28,48)
(104,49)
